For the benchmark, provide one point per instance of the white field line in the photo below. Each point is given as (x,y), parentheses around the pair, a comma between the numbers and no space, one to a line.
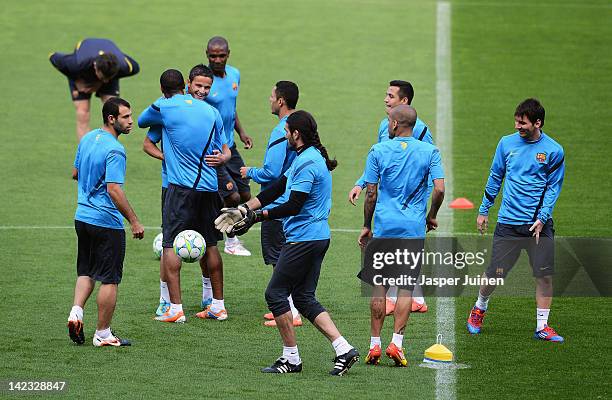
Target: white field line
(256,228)
(446,379)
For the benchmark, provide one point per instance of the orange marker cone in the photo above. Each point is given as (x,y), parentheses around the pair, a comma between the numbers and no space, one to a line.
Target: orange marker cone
(461,204)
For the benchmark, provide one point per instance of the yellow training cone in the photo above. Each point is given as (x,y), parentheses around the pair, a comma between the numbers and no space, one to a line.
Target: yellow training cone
(438,353)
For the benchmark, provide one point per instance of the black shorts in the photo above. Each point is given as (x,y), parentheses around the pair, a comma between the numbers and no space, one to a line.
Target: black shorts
(100,252)
(185,208)
(163,199)
(387,275)
(110,88)
(272,240)
(509,240)
(229,177)
(297,274)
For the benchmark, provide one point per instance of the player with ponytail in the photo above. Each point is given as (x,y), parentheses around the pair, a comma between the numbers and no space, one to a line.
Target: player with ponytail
(307,186)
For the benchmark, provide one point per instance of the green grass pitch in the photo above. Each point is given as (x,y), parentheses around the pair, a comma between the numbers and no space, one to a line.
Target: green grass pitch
(342,55)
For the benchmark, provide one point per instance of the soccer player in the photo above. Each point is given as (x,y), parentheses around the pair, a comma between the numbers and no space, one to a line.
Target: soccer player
(396,174)
(306,189)
(398,92)
(223,95)
(198,86)
(531,164)
(95,66)
(277,160)
(193,138)
(99,168)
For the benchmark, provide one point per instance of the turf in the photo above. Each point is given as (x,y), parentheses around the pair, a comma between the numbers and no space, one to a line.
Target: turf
(342,54)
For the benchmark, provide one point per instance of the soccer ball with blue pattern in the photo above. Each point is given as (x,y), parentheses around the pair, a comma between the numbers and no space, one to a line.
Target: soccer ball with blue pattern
(157,245)
(189,245)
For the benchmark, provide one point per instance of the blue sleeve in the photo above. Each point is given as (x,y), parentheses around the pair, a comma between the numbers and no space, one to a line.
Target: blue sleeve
(130,67)
(427,138)
(273,163)
(115,167)
(372,173)
(435,166)
(155,134)
(77,157)
(220,139)
(382,131)
(361,180)
(553,186)
(151,116)
(65,63)
(304,177)
(498,171)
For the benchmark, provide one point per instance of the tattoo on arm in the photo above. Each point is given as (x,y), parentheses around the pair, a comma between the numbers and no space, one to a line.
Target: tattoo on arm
(370,204)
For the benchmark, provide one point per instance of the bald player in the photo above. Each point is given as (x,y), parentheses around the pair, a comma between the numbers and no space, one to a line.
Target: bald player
(396,176)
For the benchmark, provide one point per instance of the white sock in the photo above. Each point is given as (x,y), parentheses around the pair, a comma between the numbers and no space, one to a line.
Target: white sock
(292,354)
(392,294)
(542,318)
(482,302)
(294,310)
(232,241)
(217,305)
(341,346)
(418,300)
(104,333)
(397,340)
(164,295)
(174,308)
(76,313)
(206,288)
(374,341)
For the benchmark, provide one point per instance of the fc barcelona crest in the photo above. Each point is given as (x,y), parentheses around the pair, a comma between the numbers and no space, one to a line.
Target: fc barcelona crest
(541,157)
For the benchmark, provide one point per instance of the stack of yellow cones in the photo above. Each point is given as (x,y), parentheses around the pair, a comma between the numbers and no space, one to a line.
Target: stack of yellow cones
(438,353)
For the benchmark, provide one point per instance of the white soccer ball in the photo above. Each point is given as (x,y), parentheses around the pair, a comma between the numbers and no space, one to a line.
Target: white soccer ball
(157,245)
(189,245)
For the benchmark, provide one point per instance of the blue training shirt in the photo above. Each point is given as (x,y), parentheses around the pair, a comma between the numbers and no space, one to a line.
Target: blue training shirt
(191,130)
(533,173)
(277,160)
(100,159)
(155,136)
(420,131)
(223,95)
(309,174)
(402,168)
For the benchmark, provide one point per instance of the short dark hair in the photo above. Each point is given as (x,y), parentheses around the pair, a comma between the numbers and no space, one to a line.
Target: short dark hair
(405,89)
(532,109)
(289,91)
(107,64)
(217,41)
(111,107)
(200,70)
(172,81)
